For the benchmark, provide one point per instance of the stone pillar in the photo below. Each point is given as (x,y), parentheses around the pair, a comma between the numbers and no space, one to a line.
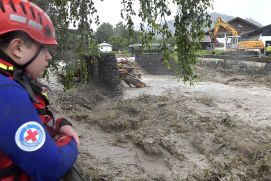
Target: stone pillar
(92,67)
(108,74)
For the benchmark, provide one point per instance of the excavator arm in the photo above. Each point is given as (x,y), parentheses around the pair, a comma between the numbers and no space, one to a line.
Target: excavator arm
(243,45)
(224,24)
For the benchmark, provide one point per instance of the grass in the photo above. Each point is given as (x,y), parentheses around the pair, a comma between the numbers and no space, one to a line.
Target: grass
(122,54)
(174,55)
(200,53)
(209,52)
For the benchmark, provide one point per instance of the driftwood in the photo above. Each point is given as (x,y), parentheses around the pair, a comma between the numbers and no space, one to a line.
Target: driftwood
(127,74)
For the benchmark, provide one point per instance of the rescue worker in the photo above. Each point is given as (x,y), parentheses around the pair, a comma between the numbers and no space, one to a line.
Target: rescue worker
(33,145)
(268,49)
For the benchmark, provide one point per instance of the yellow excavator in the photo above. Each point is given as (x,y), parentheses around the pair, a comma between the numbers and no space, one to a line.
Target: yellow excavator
(235,38)
(221,23)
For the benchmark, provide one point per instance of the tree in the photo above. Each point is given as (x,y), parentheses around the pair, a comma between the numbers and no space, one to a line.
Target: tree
(189,21)
(121,30)
(104,32)
(121,37)
(118,42)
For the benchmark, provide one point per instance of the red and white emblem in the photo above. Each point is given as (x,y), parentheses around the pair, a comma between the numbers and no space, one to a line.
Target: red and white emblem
(30,136)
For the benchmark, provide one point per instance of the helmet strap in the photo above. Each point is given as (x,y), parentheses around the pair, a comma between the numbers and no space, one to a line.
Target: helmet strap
(10,60)
(32,59)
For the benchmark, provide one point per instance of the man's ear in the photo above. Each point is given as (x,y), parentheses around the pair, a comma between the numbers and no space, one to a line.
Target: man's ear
(16,48)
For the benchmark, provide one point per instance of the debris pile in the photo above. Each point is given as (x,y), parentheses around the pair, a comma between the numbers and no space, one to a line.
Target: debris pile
(127,73)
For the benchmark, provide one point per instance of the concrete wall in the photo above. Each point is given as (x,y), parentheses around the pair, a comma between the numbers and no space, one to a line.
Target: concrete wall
(249,67)
(152,64)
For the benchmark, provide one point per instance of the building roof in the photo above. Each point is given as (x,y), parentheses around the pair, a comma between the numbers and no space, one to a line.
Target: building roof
(105,45)
(236,19)
(257,31)
(245,21)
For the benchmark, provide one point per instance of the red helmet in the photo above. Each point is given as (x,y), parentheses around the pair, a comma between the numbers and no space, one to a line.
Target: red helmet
(25,16)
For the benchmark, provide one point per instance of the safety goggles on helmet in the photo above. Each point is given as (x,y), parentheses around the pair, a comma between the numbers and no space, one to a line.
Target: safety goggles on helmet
(22,15)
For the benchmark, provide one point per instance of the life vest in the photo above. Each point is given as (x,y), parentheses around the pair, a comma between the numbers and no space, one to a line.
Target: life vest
(38,94)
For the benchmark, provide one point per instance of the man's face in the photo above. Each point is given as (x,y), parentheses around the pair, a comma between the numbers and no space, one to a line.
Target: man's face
(22,51)
(41,62)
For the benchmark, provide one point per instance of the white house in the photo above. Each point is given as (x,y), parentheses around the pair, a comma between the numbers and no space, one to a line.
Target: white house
(105,47)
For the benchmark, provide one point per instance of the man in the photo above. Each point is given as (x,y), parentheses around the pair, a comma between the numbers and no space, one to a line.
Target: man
(268,49)
(33,145)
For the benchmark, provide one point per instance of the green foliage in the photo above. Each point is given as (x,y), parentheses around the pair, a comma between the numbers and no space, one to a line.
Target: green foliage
(120,38)
(189,21)
(118,43)
(73,73)
(104,32)
(121,30)
(64,13)
(79,42)
(67,79)
(123,54)
(209,52)
(107,54)
(93,48)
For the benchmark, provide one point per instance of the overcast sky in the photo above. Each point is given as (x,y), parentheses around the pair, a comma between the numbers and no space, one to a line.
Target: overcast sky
(109,10)
(256,9)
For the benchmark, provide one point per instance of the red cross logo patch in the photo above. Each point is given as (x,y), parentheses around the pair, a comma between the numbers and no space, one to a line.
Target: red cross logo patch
(30,136)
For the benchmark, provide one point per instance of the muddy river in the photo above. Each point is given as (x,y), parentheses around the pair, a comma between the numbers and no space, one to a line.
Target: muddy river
(217,129)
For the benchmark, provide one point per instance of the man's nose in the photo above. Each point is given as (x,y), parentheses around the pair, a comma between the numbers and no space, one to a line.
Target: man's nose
(48,55)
